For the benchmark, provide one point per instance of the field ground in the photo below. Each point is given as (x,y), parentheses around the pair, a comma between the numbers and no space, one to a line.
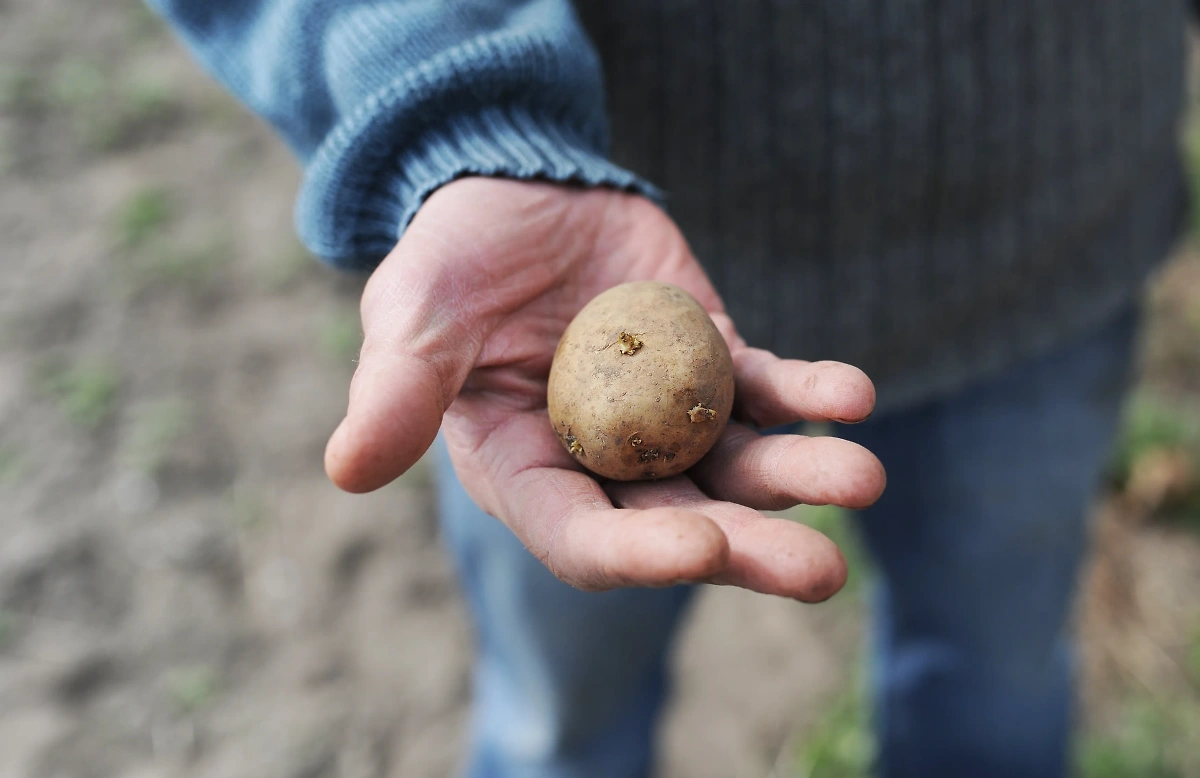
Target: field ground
(183,594)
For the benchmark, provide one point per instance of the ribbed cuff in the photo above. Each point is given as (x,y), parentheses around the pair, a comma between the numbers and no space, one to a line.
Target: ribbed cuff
(353,218)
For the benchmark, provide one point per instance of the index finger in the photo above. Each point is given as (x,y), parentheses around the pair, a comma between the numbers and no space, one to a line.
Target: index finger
(773,391)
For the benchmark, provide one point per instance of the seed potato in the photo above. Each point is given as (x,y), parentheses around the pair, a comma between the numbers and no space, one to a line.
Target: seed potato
(641,385)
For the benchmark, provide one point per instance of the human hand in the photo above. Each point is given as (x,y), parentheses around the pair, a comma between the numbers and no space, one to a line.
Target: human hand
(461,322)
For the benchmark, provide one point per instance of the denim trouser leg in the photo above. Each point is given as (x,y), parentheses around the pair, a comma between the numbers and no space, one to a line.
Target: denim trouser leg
(978,537)
(568,684)
(978,540)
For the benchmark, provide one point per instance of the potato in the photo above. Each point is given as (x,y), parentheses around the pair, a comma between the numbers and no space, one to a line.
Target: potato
(642,383)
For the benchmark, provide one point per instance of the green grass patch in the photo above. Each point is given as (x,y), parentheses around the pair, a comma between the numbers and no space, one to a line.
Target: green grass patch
(836,524)
(192,688)
(1151,423)
(1155,739)
(340,336)
(1152,426)
(85,392)
(143,216)
(841,744)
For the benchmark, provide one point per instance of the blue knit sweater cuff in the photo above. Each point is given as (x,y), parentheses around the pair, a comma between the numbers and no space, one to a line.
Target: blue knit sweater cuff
(352,211)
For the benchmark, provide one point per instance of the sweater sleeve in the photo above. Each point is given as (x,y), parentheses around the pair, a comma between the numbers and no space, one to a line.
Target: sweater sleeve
(384,101)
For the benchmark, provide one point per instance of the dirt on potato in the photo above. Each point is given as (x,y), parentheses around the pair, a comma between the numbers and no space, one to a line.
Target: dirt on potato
(642,383)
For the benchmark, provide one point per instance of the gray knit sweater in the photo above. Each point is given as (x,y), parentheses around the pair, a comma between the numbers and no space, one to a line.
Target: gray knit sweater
(928,189)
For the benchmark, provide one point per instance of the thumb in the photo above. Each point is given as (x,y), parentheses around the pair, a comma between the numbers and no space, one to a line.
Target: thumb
(413,363)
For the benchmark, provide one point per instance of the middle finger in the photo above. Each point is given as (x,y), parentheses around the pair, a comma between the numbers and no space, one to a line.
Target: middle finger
(768,555)
(776,472)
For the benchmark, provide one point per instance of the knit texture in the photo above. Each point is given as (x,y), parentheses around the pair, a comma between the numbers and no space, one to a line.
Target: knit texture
(928,189)
(932,190)
(384,101)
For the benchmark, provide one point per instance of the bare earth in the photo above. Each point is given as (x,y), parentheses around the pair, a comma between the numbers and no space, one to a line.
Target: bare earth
(182,593)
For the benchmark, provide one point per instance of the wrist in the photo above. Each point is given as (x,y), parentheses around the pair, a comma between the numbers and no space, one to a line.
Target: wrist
(352,220)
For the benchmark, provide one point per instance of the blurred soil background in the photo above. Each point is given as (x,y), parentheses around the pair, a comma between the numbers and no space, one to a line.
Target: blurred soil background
(182,593)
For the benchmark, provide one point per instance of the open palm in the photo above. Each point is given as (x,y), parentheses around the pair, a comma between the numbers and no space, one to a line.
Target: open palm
(461,321)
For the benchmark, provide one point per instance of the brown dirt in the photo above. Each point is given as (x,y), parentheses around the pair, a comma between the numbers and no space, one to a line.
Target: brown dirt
(182,593)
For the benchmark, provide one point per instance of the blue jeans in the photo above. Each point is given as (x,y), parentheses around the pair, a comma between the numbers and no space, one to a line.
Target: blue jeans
(978,541)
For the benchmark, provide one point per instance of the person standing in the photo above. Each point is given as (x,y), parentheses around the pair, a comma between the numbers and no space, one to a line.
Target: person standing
(962,199)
